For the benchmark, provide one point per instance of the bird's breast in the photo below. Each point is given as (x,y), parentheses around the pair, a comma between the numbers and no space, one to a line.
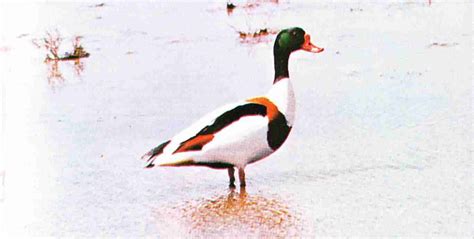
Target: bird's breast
(283,96)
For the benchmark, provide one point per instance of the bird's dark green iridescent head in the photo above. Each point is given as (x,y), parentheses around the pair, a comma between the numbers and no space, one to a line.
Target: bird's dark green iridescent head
(288,41)
(293,39)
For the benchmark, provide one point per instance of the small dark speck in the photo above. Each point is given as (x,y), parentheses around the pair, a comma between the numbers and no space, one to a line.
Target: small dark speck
(60,120)
(129,52)
(101,155)
(230,6)
(436,44)
(358,10)
(337,52)
(22,35)
(99,5)
(98,18)
(115,117)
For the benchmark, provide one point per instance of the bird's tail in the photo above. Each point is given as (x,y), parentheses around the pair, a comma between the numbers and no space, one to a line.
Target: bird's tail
(155,152)
(181,159)
(156,157)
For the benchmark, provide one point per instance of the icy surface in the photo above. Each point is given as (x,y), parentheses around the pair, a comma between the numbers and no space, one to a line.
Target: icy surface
(382,144)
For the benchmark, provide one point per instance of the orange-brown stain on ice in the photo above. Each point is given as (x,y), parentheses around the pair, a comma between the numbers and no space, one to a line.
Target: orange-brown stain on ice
(232,215)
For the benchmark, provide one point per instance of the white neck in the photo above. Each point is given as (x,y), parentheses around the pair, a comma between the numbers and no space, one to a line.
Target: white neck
(282,95)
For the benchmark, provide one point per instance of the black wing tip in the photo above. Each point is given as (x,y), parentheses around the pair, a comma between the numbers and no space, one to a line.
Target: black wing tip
(146,156)
(155,151)
(151,165)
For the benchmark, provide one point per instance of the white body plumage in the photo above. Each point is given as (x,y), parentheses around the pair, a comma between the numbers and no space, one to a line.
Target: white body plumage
(242,142)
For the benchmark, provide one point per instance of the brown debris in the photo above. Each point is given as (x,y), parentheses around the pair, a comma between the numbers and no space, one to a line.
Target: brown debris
(258,36)
(51,44)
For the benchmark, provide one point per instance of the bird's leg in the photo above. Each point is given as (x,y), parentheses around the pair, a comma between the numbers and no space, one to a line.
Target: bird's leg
(231,177)
(242,177)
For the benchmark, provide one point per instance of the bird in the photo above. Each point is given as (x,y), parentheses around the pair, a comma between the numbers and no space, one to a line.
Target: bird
(238,134)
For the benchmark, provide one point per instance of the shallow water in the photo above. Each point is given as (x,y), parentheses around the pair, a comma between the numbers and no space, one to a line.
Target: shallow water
(232,214)
(381,145)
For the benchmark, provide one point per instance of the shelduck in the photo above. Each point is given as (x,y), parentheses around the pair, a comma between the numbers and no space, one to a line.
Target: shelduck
(241,133)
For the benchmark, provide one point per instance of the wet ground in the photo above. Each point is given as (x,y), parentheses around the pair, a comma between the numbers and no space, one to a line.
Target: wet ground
(382,144)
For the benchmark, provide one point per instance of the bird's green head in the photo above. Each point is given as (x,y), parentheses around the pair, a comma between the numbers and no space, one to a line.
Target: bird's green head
(293,39)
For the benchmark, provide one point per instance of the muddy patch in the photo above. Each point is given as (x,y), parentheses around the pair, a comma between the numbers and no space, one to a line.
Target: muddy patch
(234,214)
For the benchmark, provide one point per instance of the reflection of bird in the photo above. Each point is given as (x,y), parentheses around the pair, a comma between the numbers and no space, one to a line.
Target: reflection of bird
(242,215)
(241,133)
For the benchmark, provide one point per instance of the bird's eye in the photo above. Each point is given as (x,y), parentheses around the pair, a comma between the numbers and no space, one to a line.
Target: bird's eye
(293,33)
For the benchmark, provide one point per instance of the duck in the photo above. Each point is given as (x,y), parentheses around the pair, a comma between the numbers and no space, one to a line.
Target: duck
(244,132)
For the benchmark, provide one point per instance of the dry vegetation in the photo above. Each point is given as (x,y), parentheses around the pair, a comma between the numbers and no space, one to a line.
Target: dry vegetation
(259,33)
(258,36)
(52,42)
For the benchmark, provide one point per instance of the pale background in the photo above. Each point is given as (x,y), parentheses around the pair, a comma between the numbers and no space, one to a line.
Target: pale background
(382,144)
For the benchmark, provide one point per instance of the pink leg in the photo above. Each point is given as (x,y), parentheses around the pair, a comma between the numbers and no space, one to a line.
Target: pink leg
(242,177)
(231,177)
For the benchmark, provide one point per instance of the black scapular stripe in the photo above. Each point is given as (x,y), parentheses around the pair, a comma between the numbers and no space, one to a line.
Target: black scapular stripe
(278,131)
(228,118)
(233,115)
